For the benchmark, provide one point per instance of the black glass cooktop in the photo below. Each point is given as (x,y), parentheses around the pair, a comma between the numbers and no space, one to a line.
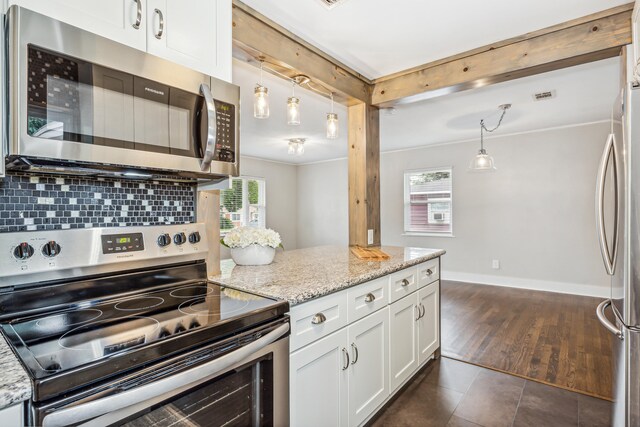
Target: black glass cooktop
(101,338)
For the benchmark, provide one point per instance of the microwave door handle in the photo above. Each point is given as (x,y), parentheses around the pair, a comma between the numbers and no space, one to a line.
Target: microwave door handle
(600,192)
(135,396)
(212,127)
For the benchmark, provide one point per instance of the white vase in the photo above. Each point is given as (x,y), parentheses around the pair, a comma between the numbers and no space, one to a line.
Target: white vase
(253,255)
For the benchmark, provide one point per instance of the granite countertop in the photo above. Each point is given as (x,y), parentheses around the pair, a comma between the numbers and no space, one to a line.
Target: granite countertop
(15,386)
(300,275)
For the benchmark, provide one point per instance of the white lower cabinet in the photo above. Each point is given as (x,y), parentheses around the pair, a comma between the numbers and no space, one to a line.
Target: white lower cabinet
(318,382)
(429,322)
(11,416)
(403,347)
(369,367)
(351,350)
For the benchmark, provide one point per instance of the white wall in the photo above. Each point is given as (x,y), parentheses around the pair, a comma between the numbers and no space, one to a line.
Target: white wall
(281,197)
(323,204)
(536,214)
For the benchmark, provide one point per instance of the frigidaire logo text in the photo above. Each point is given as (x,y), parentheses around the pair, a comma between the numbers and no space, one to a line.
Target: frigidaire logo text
(156,91)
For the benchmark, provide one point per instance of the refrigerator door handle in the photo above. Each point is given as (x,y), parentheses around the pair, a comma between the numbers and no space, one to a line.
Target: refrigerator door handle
(608,255)
(606,322)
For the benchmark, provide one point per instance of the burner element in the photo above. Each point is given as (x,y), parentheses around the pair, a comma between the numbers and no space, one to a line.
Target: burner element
(139,303)
(71,318)
(192,291)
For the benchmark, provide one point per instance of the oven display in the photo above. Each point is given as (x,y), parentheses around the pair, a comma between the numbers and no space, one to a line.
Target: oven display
(117,243)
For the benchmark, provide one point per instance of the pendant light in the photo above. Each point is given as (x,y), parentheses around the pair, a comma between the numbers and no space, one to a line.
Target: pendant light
(332,123)
(261,99)
(483,162)
(296,146)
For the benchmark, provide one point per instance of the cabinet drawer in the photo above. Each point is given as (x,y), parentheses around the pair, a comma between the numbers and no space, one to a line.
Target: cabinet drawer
(367,297)
(318,318)
(402,283)
(428,272)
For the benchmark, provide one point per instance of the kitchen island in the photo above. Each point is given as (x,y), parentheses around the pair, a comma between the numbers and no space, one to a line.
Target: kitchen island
(360,329)
(301,275)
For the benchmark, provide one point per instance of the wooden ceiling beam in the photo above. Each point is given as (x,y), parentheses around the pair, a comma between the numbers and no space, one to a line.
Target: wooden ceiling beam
(594,37)
(255,37)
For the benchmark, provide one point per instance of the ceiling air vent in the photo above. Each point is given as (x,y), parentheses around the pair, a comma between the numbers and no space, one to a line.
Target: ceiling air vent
(330,4)
(541,96)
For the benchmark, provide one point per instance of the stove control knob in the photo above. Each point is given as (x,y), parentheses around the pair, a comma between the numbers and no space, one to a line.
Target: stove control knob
(179,239)
(164,332)
(164,240)
(23,251)
(179,328)
(194,237)
(51,249)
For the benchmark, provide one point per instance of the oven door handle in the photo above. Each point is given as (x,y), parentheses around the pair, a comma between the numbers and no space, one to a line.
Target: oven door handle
(199,374)
(212,127)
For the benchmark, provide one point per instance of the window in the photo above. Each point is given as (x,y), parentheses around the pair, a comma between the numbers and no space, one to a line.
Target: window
(243,204)
(428,201)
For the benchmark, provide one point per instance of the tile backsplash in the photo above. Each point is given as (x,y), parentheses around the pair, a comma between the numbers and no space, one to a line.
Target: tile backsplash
(48,202)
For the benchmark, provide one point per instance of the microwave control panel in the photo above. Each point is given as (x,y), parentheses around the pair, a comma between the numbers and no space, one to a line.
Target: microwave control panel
(226,132)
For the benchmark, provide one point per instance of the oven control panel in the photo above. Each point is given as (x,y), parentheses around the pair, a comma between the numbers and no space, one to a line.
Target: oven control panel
(28,257)
(117,243)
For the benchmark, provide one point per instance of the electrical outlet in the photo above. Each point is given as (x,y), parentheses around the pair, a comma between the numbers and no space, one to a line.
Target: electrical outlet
(370,236)
(495,264)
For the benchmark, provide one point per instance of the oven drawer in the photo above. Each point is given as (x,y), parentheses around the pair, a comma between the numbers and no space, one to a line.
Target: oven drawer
(318,318)
(403,283)
(428,272)
(367,297)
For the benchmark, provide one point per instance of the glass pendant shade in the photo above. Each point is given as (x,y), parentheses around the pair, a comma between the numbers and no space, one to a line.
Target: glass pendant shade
(296,146)
(332,126)
(261,102)
(482,162)
(293,111)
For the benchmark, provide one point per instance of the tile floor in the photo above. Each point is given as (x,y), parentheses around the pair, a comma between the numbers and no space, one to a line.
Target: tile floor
(453,393)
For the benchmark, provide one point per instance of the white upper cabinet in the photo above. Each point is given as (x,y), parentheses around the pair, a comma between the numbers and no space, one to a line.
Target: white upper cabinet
(194,33)
(123,21)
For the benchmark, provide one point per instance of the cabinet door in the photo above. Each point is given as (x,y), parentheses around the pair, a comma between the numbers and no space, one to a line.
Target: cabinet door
(369,370)
(12,416)
(113,19)
(318,383)
(403,350)
(196,34)
(428,324)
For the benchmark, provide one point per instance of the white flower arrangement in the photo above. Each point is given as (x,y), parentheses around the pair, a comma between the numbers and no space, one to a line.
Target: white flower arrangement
(247,236)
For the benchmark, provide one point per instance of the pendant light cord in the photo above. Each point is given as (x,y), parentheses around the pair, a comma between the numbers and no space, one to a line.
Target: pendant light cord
(484,128)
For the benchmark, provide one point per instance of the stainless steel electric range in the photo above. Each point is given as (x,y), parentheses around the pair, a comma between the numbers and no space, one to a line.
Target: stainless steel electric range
(119,326)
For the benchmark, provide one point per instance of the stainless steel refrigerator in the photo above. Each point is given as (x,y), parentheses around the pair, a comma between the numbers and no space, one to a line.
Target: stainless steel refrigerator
(618,225)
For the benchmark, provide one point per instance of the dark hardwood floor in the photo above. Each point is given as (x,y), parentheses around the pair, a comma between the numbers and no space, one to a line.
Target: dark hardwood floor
(456,394)
(543,336)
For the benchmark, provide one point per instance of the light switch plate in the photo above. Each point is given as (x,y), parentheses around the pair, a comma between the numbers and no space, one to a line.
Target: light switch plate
(370,236)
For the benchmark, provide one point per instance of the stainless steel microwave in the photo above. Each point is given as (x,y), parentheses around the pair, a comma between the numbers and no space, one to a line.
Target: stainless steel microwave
(82,104)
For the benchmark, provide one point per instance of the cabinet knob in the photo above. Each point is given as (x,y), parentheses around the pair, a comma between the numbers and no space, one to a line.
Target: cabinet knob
(429,272)
(318,319)
(369,297)
(405,282)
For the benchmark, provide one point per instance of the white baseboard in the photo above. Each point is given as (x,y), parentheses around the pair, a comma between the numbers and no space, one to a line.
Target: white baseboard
(536,285)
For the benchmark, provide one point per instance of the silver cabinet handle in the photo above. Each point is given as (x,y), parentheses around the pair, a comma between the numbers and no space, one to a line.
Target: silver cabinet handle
(429,272)
(355,353)
(416,308)
(346,353)
(369,297)
(605,322)
(608,256)
(318,319)
(423,310)
(191,377)
(212,127)
(405,282)
(136,25)
(161,27)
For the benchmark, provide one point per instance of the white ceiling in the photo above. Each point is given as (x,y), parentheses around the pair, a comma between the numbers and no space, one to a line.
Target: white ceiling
(266,138)
(583,94)
(378,37)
